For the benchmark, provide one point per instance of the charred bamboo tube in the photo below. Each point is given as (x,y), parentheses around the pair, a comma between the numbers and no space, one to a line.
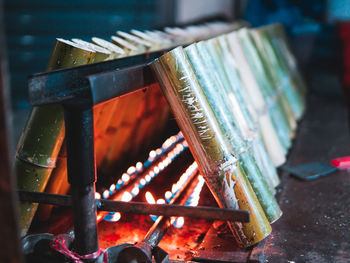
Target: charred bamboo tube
(43,134)
(222,172)
(216,98)
(254,96)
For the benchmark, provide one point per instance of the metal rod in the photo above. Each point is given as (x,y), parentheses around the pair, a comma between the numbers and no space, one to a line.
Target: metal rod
(82,176)
(202,212)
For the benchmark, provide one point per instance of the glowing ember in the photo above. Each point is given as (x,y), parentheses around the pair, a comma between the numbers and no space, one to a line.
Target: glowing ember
(149,198)
(126,197)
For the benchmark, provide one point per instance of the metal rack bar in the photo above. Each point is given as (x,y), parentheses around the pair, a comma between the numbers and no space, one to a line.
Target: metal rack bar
(203,212)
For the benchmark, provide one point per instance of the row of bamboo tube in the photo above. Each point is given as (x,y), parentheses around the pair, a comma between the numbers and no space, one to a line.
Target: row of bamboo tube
(122,126)
(237,98)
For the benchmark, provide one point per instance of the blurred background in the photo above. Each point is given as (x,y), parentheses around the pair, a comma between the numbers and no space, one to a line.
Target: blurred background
(30,29)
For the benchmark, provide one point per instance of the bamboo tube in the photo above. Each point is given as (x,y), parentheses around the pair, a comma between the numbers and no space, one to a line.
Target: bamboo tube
(142,45)
(109,46)
(43,134)
(277,85)
(278,117)
(279,35)
(103,142)
(130,49)
(157,43)
(285,78)
(58,183)
(275,35)
(208,145)
(215,94)
(123,135)
(251,86)
(253,138)
(160,110)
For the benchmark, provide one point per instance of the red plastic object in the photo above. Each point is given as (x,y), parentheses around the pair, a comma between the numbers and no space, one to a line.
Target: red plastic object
(341,162)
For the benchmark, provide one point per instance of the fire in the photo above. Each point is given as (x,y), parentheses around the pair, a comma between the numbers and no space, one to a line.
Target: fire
(179,222)
(168,195)
(126,197)
(160,201)
(149,198)
(112,217)
(175,141)
(97,195)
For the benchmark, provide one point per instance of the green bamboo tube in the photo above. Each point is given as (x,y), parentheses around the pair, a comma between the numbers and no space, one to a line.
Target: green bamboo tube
(277,84)
(222,54)
(58,183)
(253,136)
(278,117)
(275,92)
(206,70)
(256,99)
(278,33)
(274,34)
(286,79)
(43,134)
(211,150)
